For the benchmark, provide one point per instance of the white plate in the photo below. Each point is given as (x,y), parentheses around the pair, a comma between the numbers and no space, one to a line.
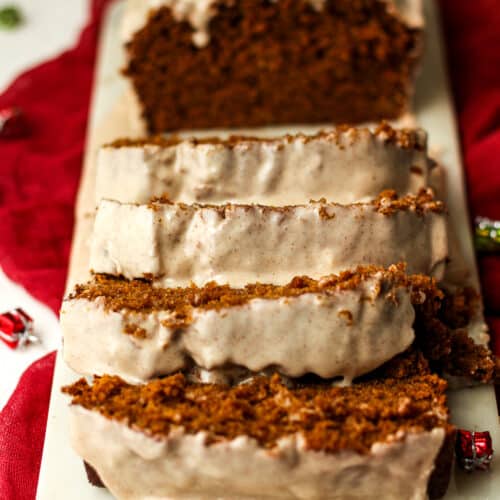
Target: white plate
(62,476)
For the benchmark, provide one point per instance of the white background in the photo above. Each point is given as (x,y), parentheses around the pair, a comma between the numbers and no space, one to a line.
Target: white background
(50,27)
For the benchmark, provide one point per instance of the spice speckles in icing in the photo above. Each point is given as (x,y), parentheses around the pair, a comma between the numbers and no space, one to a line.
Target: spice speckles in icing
(178,244)
(346,165)
(137,467)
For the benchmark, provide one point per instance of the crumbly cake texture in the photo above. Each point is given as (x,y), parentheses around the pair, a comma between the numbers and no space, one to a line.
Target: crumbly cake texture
(448,317)
(169,414)
(330,418)
(119,294)
(387,203)
(408,366)
(441,318)
(260,62)
(405,138)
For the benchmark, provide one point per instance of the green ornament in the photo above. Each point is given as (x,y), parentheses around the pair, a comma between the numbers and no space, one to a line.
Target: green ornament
(487,235)
(10,17)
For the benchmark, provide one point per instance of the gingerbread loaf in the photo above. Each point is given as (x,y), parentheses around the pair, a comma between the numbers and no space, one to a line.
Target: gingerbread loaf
(244,63)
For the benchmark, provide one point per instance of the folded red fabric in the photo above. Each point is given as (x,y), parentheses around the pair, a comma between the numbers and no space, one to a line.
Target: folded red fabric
(473,41)
(22,425)
(39,174)
(39,177)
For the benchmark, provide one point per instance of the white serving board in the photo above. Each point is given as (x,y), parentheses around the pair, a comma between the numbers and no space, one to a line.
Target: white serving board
(62,476)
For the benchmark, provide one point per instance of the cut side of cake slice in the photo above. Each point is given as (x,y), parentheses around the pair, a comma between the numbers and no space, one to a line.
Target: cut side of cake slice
(346,165)
(171,438)
(338,327)
(244,63)
(177,244)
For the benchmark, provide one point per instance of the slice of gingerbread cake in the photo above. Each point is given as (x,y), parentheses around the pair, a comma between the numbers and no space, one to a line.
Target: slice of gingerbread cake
(267,438)
(338,327)
(177,244)
(244,63)
(345,165)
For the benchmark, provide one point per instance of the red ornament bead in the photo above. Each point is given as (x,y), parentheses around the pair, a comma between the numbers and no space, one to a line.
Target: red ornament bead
(474,450)
(13,124)
(16,328)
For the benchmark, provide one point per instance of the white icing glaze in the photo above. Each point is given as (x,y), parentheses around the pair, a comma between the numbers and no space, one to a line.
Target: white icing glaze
(183,467)
(237,244)
(347,333)
(199,13)
(411,11)
(345,166)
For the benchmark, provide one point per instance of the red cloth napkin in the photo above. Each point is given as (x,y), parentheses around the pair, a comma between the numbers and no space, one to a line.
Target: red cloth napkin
(39,177)
(473,36)
(38,181)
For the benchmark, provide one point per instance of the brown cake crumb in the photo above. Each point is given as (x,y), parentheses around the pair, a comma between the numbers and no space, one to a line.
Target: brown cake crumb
(324,213)
(408,364)
(117,294)
(275,62)
(404,138)
(440,322)
(441,334)
(135,331)
(329,418)
(347,316)
(388,202)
